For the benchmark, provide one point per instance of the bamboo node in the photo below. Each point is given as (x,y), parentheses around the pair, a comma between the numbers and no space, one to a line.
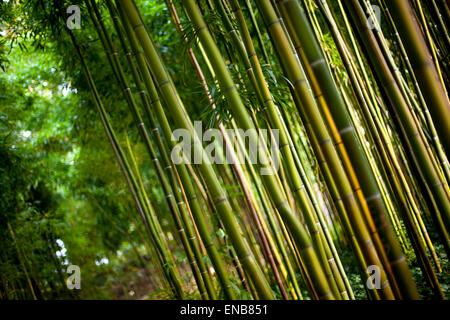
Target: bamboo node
(298,82)
(201,28)
(163,84)
(138,26)
(373,197)
(346,130)
(328,294)
(269,24)
(230,88)
(317,62)
(220,200)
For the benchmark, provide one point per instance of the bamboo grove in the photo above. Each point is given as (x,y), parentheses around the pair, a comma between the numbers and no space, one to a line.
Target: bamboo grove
(358,93)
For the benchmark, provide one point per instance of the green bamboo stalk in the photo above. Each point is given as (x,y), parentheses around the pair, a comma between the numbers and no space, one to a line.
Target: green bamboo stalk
(173,102)
(245,121)
(288,151)
(236,166)
(408,126)
(340,115)
(400,190)
(265,99)
(314,124)
(167,266)
(161,176)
